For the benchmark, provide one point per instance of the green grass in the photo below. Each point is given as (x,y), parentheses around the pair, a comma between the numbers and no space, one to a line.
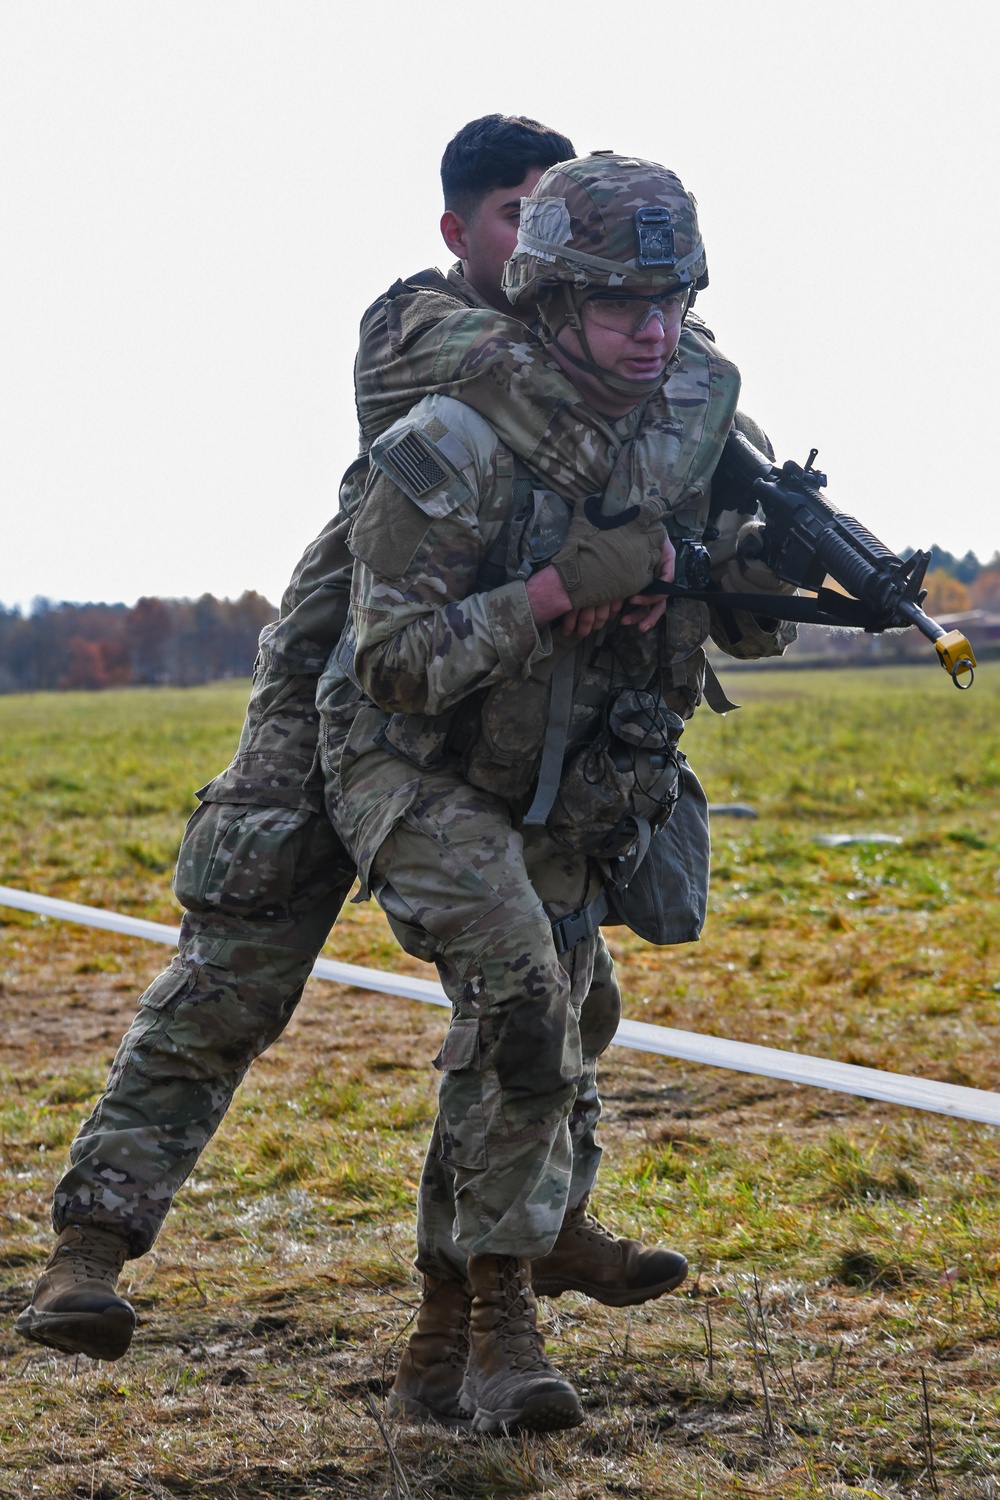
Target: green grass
(838,1247)
(850,746)
(96,787)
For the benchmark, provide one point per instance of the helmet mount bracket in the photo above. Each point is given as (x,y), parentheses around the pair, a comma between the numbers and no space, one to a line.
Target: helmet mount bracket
(654,236)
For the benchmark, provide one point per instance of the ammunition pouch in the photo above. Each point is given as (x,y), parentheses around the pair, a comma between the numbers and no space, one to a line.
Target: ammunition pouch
(625,781)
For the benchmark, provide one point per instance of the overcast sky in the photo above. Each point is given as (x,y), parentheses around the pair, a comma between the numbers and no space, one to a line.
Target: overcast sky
(200,197)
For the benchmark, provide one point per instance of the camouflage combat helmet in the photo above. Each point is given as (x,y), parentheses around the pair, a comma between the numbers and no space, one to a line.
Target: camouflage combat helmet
(598,223)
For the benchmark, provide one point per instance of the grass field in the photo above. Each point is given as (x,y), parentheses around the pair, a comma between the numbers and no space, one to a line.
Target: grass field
(845,1255)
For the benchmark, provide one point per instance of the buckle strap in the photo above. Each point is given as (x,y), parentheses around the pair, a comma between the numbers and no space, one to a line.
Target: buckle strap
(577,925)
(556,735)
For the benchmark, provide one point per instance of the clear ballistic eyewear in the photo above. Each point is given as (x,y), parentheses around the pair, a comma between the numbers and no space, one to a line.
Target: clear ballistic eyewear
(629,314)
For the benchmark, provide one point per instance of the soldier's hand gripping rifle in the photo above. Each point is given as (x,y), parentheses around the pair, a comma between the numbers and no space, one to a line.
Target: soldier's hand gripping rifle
(803,541)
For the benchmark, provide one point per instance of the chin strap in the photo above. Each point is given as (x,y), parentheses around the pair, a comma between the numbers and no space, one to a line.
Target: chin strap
(569,317)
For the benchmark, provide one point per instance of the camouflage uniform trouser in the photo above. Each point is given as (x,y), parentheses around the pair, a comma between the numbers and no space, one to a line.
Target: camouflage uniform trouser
(262,887)
(229,993)
(513,1146)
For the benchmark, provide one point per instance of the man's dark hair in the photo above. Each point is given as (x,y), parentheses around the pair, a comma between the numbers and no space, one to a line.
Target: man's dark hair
(493,152)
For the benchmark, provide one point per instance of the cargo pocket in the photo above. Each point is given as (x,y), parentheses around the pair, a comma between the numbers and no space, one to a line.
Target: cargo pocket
(150,1025)
(242,861)
(167,986)
(460,1047)
(409,934)
(375,826)
(460,1098)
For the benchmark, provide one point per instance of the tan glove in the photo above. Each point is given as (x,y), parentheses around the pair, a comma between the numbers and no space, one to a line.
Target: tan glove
(599,566)
(746,572)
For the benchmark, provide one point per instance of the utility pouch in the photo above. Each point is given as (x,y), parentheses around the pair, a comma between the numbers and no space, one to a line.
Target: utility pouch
(510,734)
(664,897)
(624,784)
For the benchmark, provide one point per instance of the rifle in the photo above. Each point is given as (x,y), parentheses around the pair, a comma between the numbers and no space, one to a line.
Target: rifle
(804,540)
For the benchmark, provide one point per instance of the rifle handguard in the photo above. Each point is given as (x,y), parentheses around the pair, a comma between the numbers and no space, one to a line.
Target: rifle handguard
(806,540)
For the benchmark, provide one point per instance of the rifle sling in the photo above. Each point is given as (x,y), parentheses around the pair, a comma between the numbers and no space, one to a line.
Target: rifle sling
(827,608)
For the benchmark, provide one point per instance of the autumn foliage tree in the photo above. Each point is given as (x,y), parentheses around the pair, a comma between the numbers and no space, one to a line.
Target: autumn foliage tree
(985,589)
(93,646)
(945,594)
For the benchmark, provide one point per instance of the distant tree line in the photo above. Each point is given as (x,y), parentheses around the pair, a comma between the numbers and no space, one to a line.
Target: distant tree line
(176,641)
(959,583)
(186,641)
(965,569)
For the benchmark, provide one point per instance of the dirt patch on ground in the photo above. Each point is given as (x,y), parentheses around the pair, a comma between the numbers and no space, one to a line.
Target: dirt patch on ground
(274,1306)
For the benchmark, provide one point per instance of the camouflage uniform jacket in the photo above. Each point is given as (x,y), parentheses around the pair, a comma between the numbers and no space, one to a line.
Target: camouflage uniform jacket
(459,668)
(430,333)
(276,762)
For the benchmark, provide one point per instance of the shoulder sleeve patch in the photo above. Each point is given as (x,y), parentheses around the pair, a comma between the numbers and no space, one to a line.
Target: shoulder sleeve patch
(424,459)
(412,463)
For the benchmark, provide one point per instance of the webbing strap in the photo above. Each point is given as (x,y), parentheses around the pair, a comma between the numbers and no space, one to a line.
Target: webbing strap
(715,693)
(577,925)
(501,563)
(548,250)
(826,607)
(556,734)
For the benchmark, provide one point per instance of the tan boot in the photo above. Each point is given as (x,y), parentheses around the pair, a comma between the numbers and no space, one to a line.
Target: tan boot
(588,1258)
(75,1307)
(428,1382)
(509,1383)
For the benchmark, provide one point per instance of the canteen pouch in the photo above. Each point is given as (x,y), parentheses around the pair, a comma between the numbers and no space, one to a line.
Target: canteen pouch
(624,783)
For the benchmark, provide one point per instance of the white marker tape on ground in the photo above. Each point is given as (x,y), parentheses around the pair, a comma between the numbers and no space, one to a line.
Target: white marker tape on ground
(404,985)
(716,1052)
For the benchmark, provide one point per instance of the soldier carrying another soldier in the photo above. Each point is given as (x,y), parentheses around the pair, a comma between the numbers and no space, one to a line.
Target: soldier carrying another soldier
(501,729)
(247,945)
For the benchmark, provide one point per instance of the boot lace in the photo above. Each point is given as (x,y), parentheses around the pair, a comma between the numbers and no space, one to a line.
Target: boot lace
(94,1257)
(458,1355)
(516,1327)
(591,1229)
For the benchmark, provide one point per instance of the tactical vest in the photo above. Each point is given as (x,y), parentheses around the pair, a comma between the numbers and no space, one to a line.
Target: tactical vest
(499,734)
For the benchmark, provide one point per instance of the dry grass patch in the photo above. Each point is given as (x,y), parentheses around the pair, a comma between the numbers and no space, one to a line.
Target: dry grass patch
(839,1248)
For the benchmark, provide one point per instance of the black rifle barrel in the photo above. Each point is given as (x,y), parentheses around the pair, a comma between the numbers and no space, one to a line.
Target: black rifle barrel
(806,539)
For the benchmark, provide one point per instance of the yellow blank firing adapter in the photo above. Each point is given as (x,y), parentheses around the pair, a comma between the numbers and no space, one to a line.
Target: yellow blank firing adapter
(956,657)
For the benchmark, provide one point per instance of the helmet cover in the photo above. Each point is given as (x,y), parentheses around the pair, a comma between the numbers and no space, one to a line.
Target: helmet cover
(606,221)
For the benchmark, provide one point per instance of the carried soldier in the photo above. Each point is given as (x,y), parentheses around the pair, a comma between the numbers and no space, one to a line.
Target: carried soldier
(501,717)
